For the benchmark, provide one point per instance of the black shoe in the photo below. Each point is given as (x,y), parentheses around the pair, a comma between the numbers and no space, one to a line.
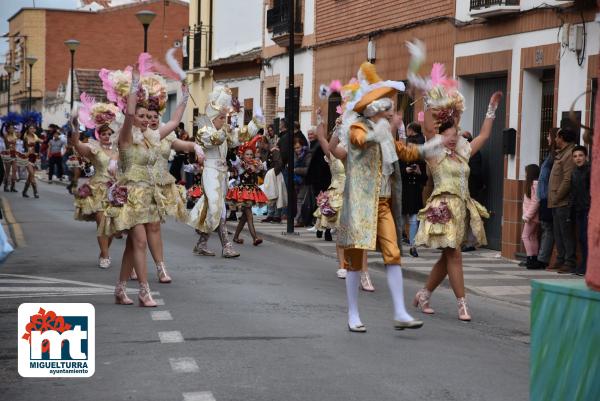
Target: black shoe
(468,249)
(319,234)
(267,220)
(413,252)
(328,235)
(276,220)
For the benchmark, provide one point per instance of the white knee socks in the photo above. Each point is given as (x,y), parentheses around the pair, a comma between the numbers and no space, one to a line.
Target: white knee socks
(395,282)
(352,283)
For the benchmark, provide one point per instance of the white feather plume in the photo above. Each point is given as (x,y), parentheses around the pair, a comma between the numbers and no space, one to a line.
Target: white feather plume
(173,64)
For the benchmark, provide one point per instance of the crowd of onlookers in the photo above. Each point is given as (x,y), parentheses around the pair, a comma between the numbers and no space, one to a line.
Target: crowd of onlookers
(556,203)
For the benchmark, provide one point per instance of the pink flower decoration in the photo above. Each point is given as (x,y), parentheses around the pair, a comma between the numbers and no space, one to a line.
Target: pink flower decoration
(339,110)
(117,195)
(335,85)
(439,215)
(84,191)
(421,117)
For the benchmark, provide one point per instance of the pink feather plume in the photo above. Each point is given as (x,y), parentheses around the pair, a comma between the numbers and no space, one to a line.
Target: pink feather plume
(335,85)
(439,78)
(87,102)
(145,63)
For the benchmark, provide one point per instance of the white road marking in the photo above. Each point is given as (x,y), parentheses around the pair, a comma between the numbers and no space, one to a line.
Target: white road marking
(199,396)
(184,365)
(161,315)
(159,301)
(491,276)
(168,337)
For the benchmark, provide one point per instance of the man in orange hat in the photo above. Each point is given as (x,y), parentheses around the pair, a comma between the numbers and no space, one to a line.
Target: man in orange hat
(373,189)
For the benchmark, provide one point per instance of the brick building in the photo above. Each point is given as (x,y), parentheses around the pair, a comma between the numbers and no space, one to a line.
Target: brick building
(110,38)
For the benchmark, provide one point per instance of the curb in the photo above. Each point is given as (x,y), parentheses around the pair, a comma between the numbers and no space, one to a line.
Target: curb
(14,228)
(379,266)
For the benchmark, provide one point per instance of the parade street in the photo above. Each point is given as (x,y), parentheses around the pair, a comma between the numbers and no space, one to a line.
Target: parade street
(269,325)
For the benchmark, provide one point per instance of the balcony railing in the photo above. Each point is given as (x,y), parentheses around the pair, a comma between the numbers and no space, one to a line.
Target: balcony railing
(479,4)
(278,22)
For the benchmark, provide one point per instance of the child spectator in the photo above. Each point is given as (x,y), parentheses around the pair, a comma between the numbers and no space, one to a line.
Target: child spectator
(580,201)
(531,204)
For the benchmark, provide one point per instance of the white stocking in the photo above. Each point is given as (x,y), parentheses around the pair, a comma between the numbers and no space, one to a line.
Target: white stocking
(352,283)
(395,282)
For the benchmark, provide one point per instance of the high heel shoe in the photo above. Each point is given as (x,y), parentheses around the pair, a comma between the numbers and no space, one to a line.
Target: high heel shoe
(421,301)
(365,282)
(257,242)
(121,297)
(463,310)
(144,296)
(163,276)
(238,240)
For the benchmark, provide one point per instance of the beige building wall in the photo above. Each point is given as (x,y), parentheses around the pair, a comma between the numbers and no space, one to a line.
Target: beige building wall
(199,78)
(28,30)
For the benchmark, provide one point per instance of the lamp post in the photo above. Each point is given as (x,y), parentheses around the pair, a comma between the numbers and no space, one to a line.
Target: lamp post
(290,123)
(72,44)
(145,17)
(10,69)
(30,61)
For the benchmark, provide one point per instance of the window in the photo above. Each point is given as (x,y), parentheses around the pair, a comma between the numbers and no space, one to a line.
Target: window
(334,101)
(547,111)
(248,106)
(197,49)
(185,62)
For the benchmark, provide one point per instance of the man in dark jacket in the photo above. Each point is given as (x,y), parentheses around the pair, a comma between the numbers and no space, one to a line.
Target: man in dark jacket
(285,142)
(318,176)
(580,201)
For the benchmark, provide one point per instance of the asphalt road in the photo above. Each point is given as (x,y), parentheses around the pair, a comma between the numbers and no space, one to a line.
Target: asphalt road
(270,325)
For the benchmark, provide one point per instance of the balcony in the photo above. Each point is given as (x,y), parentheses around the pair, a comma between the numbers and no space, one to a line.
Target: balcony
(278,23)
(492,8)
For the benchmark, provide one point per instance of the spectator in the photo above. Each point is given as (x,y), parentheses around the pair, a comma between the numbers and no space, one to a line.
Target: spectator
(558,200)
(55,153)
(530,216)
(580,201)
(285,142)
(545,214)
(414,178)
(180,159)
(318,178)
(274,187)
(272,139)
(300,168)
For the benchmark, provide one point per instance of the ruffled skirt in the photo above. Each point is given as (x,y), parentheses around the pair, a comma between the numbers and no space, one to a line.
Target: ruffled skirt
(141,207)
(336,200)
(246,196)
(171,201)
(87,207)
(464,227)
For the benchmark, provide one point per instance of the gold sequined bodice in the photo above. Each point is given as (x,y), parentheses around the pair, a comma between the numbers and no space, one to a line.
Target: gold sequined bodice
(451,175)
(100,160)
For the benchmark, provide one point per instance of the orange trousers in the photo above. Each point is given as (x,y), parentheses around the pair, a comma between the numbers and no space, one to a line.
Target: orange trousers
(387,240)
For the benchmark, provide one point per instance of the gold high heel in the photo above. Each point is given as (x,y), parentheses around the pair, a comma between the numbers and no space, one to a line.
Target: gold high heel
(121,297)
(161,271)
(144,296)
(463,310)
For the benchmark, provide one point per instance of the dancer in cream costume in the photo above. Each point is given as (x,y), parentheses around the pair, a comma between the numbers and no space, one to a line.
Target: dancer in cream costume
(216,137)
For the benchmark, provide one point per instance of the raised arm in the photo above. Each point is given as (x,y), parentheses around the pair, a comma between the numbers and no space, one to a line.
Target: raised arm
(486,127)
(321,133)
(81,148)
(126,135)
(177,115)
(188,147)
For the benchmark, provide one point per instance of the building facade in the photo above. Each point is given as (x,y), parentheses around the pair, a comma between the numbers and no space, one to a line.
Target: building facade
(543,56)
(106,40)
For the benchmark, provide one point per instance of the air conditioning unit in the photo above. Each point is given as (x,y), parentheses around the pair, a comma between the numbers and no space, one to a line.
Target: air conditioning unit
(493,8)
(576,38)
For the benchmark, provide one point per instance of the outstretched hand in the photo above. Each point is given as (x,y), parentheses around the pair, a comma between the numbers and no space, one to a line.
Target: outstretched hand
(496,97)
(135,72)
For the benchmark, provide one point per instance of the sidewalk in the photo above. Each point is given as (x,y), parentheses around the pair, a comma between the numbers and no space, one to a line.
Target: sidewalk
(486,272)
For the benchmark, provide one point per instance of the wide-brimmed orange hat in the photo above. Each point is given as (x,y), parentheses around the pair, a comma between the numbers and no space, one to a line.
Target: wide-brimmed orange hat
(369,87)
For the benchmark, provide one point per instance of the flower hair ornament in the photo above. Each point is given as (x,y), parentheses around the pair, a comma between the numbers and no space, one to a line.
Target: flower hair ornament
(95,115)
(250,145)
(441,93)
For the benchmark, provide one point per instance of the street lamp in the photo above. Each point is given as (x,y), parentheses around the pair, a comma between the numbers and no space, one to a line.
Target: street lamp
(290,120)
(31,61)
(72,44)
(10,69)
(145,17)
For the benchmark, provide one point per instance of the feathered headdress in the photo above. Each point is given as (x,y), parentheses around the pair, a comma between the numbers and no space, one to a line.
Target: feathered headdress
(219,101)
(441,92)
(11,118)
(368,87)
(31,118)
(95,115)
(251,144)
